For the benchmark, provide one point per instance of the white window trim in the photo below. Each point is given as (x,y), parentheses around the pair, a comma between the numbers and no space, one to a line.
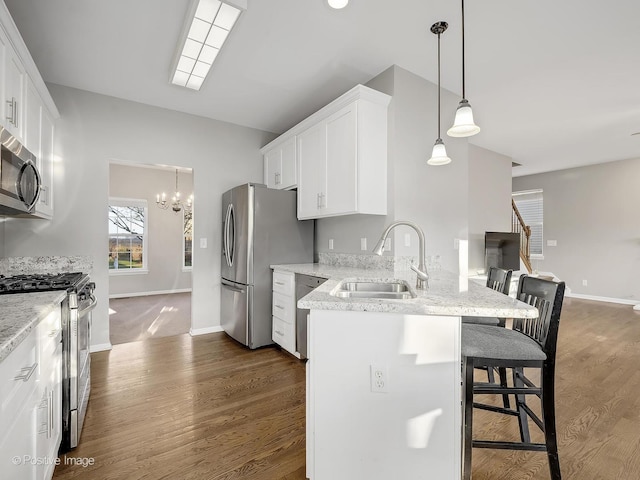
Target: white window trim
(186,268)
(133,202)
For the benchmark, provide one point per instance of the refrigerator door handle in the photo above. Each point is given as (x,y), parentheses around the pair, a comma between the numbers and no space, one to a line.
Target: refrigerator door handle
(229,235)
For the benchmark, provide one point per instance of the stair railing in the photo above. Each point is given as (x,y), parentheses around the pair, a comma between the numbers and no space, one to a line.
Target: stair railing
(518,226)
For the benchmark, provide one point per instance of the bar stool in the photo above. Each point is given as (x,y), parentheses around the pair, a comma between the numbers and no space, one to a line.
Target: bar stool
(499,280)
(530,344)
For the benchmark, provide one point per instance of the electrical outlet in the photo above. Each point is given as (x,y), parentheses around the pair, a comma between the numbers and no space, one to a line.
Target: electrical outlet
(379,378)
(407,239)
(331,244)
(584,283)
(363,244)
(387,244)
(203,242)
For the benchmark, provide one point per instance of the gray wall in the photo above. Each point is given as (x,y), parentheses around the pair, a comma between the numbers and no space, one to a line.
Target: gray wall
(489,200)
(164,230)
(436,198)
(94,130)
(592,212)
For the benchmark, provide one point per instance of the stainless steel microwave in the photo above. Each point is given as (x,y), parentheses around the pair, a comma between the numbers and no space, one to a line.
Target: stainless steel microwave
(19,177)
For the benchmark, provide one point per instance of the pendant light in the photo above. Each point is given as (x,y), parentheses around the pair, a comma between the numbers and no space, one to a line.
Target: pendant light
(463,125)
(439,153)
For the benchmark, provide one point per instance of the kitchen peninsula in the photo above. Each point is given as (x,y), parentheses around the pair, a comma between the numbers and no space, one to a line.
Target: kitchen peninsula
(383,376)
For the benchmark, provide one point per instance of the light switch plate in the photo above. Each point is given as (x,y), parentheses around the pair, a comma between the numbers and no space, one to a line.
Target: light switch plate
(331,244)
(203,242)
(363,243)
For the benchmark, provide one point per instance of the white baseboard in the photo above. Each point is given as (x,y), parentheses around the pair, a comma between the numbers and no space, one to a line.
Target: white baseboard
(100,347)
(144,294)
(203,331)
(623,301)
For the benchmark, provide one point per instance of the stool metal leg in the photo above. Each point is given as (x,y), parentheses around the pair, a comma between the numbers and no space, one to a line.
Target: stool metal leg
(467,446)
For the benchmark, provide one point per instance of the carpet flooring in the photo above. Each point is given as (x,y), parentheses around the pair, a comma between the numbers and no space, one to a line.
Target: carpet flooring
(134,319)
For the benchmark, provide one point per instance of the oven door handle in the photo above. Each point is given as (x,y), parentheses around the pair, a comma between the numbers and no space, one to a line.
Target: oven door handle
(90,307)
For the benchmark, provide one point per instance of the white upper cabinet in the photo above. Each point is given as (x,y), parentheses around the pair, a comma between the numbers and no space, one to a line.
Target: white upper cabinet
(12,88)
(27,110)
(342,158)
(280,164)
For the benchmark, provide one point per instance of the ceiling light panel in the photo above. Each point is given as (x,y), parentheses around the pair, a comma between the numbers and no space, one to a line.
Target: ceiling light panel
(207,32)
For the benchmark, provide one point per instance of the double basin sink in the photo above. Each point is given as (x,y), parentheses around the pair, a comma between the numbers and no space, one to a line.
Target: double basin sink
(392,290)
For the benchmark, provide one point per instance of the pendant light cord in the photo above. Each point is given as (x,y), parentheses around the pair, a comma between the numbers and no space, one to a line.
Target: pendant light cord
(463,90)
(439,86)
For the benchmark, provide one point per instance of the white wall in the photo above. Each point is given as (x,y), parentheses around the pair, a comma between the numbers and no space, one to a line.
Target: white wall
(489,200)
(94,130)
(165,229)
(592,212)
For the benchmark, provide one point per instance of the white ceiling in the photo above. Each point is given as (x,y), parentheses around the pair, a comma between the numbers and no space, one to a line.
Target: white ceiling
(554,84)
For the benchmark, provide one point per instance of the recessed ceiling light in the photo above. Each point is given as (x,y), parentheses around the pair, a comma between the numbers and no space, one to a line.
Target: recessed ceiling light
(207,28)
(337,4)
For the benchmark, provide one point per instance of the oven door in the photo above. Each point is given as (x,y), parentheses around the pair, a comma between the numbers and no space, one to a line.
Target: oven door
(77,367)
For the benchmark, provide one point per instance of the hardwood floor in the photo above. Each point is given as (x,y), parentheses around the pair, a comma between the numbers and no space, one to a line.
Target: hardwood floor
(206,408)
(193,408)
(133,319)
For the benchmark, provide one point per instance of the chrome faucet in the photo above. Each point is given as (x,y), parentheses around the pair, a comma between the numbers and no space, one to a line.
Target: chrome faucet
(422,282)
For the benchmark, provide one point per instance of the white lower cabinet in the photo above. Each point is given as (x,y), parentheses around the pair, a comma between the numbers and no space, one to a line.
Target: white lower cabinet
(284,311)
(31,403)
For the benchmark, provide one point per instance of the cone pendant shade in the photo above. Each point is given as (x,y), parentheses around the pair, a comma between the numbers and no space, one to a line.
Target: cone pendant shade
(439,154)
(463,125)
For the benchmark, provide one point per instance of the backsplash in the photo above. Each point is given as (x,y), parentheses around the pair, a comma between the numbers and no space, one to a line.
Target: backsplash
(375,262)
(49,264)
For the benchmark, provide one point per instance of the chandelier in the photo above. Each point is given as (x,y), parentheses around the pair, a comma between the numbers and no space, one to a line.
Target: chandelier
(176,203)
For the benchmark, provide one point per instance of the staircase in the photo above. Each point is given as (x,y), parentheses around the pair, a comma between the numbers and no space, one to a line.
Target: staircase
(518,226)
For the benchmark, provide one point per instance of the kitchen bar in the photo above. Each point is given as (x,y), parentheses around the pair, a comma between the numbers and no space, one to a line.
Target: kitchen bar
(383,376)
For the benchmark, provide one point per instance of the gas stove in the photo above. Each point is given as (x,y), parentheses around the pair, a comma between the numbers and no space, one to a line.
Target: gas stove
(40,282)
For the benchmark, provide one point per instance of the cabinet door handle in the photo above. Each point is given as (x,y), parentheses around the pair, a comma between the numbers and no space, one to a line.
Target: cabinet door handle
(12,111)
(279,306)
(280,333)
(279,283)
(26,373)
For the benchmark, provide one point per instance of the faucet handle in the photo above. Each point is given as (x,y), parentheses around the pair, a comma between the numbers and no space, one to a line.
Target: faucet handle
(421,275)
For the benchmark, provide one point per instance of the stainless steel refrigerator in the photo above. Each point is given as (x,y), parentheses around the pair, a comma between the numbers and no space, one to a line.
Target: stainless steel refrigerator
(259,228)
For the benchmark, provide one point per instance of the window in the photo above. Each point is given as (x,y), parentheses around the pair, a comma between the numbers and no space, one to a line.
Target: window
(127,235)
(530,206)
(187,239)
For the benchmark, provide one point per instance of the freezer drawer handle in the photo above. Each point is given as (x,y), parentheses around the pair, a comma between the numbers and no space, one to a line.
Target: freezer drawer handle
(233,289)
(26,373)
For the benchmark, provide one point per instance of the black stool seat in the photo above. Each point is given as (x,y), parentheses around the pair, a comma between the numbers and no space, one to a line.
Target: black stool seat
(480,341)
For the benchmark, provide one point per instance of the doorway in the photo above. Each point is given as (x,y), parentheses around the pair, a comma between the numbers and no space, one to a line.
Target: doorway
(150,251)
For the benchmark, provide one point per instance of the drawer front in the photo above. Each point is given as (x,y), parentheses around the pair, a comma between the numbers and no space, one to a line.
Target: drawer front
(49,334)
(18,377)
(284,283)
(283,307)
(284,334)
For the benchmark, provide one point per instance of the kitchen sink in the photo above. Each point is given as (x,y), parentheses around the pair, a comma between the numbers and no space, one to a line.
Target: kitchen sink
(395,290)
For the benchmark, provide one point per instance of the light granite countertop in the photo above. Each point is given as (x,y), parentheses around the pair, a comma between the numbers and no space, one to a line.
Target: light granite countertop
(448,293)
(20,313)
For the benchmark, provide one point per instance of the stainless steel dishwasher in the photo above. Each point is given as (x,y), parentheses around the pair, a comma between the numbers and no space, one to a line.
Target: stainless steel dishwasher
(304,285)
